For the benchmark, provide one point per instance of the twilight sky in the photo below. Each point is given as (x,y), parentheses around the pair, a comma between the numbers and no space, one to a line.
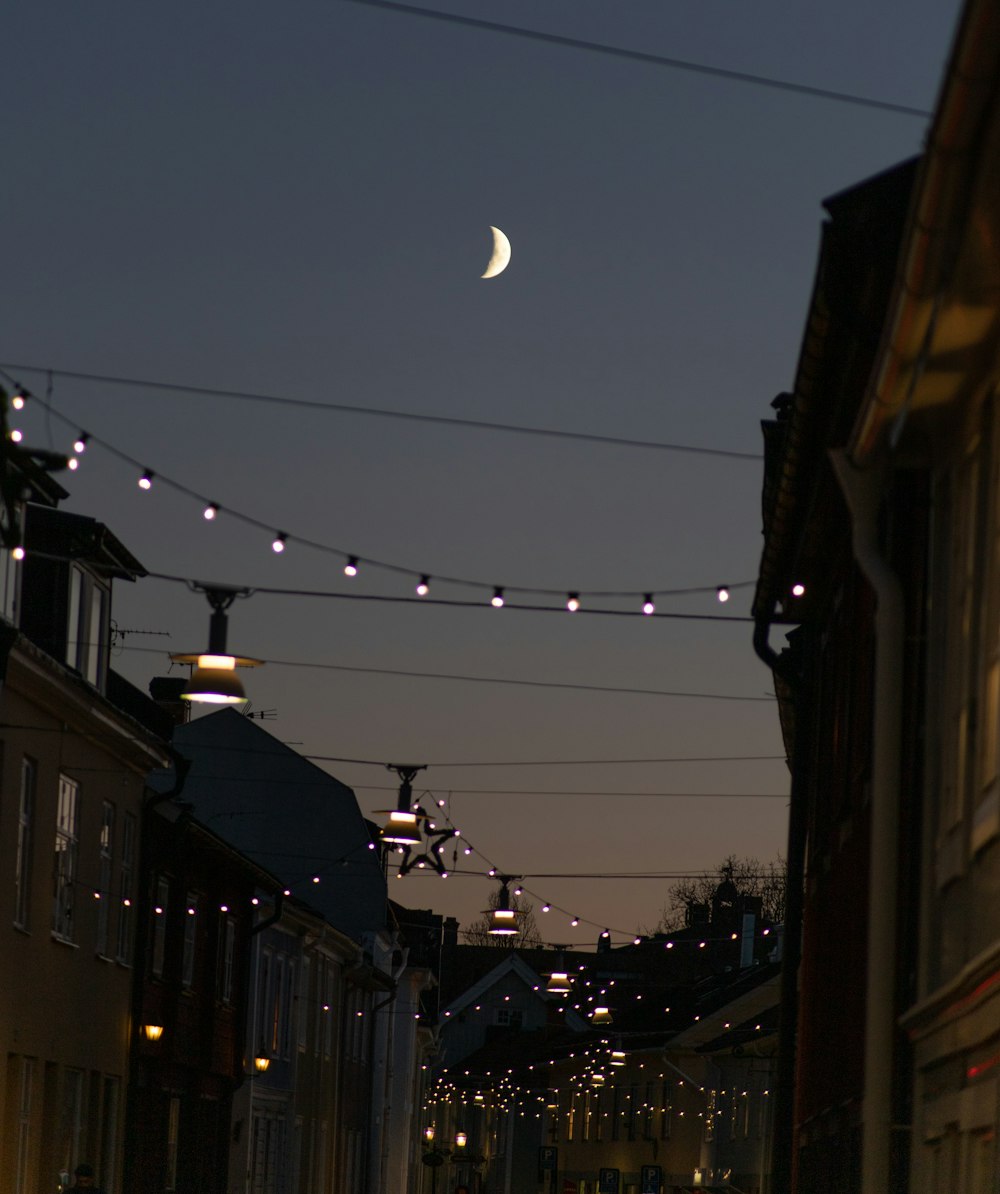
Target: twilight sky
(295,200)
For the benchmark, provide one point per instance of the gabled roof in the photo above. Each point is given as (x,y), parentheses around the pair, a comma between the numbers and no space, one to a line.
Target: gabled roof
(286,814)
(511,964)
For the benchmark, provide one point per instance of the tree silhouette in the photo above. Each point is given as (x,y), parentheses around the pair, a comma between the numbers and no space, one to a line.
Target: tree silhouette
(750,877)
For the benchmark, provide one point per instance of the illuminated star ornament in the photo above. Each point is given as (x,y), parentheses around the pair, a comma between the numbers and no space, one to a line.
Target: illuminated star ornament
(501,254)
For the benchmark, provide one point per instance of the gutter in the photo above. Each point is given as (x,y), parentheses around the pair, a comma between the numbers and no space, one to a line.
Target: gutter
(862,491)
(789,669)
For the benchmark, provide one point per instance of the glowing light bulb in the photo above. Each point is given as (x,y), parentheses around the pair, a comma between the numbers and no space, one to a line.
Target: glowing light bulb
(210,512)
(798,590)
(146,480)
(351,567)
(19,399)
(647,606)
(573,602)
(72,463)
(279,542)
(546,907)
(16,436)
(17,553)
(497,600)
(80,443)
(575,921)
(423,588)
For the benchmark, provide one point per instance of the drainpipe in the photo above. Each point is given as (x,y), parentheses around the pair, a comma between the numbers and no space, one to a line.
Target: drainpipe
(792,667)
(862,490)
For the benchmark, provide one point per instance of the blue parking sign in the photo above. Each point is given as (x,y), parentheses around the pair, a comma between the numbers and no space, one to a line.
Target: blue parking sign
(608,1181)
(652,1179)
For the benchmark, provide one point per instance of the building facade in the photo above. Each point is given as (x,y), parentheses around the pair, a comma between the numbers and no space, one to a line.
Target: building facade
(72,785)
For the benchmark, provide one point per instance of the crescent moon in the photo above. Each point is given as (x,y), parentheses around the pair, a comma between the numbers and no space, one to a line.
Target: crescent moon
(501,254)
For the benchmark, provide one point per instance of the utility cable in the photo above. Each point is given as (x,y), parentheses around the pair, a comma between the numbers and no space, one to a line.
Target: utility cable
(576,43)
(466,679)
(382,413)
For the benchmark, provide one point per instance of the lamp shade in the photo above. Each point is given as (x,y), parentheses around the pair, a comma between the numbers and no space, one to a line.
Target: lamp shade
(214,682)
(558,983)
(602,1015)
(503,922)
(262,1063)
(402,828)
(152,1032)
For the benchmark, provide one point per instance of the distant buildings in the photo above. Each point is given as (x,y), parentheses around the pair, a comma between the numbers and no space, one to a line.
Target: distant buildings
(538,1090)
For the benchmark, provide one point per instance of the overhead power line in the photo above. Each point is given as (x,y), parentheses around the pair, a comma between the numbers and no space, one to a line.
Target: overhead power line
(466,679)
(682,64)
(567,762)
(381,413)
(581,792)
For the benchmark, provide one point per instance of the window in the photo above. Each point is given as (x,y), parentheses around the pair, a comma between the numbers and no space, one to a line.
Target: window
(287,1024)
(647,1111)
(73,622)
(303,1002)
(71,1120)
(633,1109)
(161,910)
(571,1119)
(665,1112)
(173,1131)
(226,959)
(86,627)
(510,1017)
(95,635)
(126,882)
(262,1035)
(64,868)
(22,1171)
(190,939)
(10,576)
(25,835)
(104,867)
(277,1000)
(109,1131)
(616,1113)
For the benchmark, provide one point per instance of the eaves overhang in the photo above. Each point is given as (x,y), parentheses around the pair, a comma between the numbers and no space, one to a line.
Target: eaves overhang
(938,346)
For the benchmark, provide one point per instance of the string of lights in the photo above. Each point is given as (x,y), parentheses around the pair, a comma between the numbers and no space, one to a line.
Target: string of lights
(497,595)
(505,877)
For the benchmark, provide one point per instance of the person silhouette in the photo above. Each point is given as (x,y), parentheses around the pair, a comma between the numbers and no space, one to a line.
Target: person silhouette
(84,1179)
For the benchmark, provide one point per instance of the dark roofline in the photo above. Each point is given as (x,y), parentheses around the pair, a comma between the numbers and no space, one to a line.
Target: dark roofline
(78,537)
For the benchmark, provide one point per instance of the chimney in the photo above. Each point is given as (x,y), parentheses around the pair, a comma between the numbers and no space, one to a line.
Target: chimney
(166,691)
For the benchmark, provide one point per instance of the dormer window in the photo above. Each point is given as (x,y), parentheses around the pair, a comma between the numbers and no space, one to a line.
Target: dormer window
(66,581)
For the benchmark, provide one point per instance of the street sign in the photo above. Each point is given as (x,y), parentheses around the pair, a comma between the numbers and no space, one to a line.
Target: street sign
(652,1179)
(548,1158)
(608,1181)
